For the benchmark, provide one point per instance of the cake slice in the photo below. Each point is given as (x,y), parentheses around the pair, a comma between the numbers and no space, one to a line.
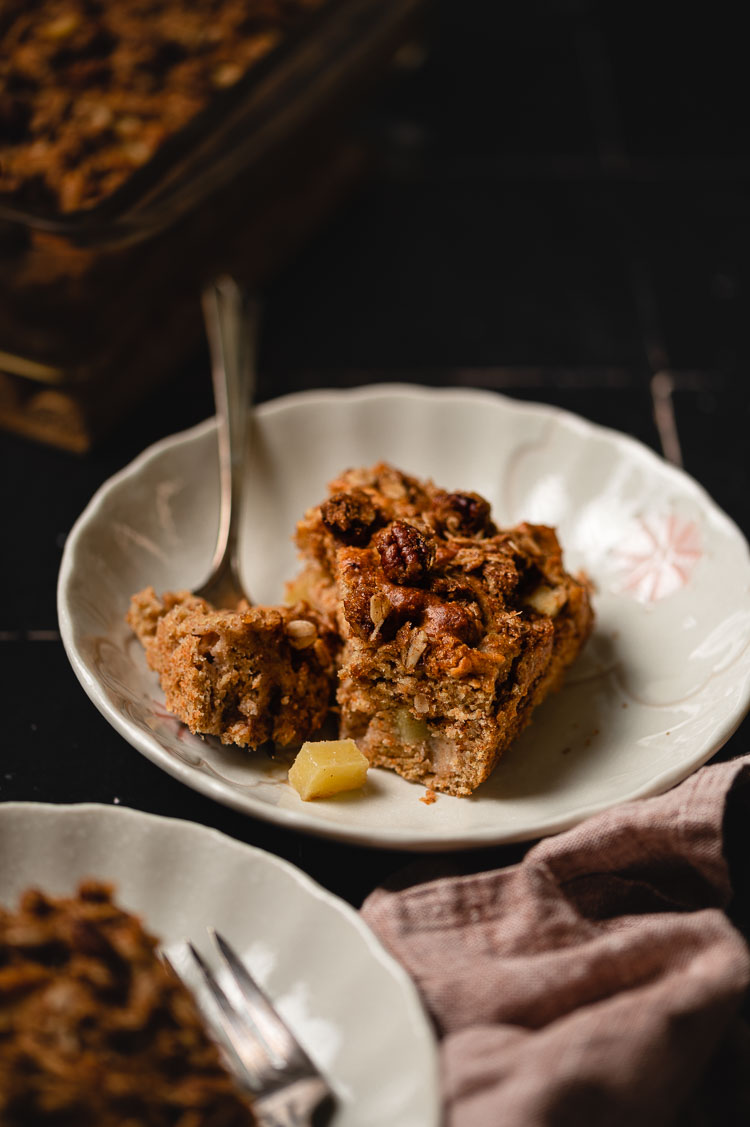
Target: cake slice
(453,630)
(95,1030)
(247,676)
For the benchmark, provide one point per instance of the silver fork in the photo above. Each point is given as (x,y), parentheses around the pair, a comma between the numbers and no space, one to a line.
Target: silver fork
(287,1088)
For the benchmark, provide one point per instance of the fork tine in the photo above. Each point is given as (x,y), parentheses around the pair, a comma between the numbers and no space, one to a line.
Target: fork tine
(279,1039)
(249,1050)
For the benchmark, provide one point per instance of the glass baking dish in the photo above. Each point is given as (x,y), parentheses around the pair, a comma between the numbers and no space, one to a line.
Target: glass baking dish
(96,304)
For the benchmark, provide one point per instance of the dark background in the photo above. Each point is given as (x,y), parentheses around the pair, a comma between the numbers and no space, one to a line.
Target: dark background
(559,210)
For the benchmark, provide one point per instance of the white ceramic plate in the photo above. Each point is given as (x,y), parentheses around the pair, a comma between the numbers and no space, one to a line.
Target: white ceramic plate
(349,1003)
(662,683)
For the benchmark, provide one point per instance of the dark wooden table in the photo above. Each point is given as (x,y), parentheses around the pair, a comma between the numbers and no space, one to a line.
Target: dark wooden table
(560,211)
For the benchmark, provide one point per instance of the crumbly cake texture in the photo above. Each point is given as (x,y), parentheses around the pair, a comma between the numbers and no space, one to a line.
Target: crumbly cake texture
(453,630)
(247,676)
(95,1031)
(92,88)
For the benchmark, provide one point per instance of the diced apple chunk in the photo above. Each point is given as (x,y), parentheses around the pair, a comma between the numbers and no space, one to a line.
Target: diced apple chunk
(411,729)
(327,767)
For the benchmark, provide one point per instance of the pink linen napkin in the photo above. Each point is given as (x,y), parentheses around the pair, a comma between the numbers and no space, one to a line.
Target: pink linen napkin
(598,981)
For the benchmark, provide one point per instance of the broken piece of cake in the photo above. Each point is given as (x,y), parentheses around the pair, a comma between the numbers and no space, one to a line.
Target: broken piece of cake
(247,676)
(453,630)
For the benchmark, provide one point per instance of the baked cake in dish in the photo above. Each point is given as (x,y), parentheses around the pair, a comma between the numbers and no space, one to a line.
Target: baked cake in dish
(92,88)
(95,1031)
(248,675)
(452,630)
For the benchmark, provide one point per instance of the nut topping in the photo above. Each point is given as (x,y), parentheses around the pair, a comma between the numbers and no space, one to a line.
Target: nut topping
(350,517)
(379,610)
(462,514)
(460,620)
(301,633)
(392,484)
(417,645)
(406,555)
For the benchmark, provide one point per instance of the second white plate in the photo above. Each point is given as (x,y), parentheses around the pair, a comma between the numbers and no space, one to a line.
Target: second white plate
(350,1004)
(662,684)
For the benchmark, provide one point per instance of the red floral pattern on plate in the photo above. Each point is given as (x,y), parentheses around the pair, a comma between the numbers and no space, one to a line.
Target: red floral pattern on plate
(657,557)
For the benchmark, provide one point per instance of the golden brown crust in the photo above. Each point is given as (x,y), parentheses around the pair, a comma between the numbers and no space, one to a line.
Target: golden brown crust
(454,631)
(95,1031)
(246,676)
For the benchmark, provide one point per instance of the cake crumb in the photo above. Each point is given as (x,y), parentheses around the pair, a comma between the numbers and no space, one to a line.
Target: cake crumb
(428,797)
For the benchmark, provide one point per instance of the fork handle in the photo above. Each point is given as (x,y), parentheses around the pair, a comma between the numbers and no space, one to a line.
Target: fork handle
(231,326)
